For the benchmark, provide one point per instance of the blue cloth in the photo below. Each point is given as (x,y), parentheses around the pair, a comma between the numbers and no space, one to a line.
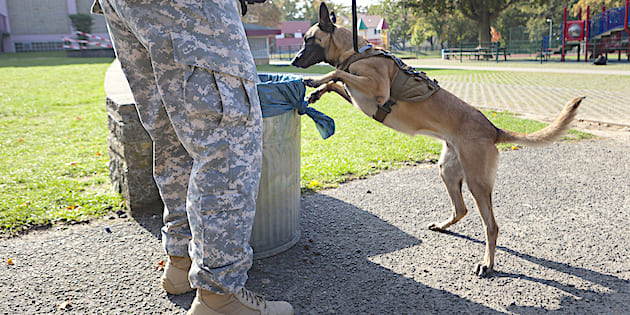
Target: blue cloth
(280,93)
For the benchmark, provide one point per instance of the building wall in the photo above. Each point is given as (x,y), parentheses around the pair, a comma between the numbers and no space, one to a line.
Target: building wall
(259,45)
(38,17)
(40,25)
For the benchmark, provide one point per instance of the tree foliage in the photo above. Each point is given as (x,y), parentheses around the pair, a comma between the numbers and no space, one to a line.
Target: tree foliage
(82,22)
(482,12)
(596,5)
(267,14)
(410,25)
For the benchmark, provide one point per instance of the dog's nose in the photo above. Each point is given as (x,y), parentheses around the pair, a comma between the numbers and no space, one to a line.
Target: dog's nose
(296,62)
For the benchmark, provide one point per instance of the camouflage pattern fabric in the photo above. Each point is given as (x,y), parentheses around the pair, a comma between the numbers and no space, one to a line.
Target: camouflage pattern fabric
(193,79)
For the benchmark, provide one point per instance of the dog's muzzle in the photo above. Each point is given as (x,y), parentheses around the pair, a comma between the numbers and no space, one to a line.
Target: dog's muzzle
(309,55)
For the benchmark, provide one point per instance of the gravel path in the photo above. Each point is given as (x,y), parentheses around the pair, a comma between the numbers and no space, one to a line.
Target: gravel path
(563,247)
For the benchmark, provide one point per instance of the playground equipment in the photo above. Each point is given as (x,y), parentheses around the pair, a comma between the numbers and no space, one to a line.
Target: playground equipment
(604,33)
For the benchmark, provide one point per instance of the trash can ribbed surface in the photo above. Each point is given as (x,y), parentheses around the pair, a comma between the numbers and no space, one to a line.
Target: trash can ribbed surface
(276,225)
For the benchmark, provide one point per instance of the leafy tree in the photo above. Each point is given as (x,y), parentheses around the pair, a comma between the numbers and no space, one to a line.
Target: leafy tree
(82,22)
(483,12)
(453,28)
(532,20)
(596,6)
(399,17)
(266,14)
(311,10)
(291,10)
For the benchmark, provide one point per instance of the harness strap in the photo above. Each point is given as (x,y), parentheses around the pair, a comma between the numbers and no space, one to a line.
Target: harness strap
(383,110)
(368,51)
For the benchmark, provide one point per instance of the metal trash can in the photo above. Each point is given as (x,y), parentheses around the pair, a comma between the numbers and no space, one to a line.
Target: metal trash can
(276,225)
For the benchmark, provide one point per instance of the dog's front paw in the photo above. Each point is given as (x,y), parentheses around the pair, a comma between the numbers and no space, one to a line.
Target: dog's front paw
(311,83)
(483,270)
(313,97)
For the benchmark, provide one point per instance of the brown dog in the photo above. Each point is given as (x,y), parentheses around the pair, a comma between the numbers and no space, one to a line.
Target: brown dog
(469,151)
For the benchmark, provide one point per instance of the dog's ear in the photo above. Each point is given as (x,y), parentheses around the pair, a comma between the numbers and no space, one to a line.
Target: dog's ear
(325,24)
(333,17)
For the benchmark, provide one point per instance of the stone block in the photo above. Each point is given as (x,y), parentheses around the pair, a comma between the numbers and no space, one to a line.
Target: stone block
(130,148)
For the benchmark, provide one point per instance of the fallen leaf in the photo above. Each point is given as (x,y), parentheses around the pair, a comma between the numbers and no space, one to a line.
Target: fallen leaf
(64,306)
(160,265)
(514,148)
(72,207)
(72,163)
(79,118)
(98,153)
(20,140)
(10,261)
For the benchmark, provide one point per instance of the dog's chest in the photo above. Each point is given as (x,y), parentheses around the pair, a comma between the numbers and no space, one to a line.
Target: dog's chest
(366,103)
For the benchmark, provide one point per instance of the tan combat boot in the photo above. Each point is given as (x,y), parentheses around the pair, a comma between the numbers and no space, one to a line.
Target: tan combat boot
(243,302)
(175,276)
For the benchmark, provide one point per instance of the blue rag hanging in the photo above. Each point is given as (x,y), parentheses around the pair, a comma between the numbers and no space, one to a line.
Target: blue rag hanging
(280,93)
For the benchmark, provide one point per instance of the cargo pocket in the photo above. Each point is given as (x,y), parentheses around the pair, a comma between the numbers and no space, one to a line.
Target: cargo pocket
(234,97)
(202,101)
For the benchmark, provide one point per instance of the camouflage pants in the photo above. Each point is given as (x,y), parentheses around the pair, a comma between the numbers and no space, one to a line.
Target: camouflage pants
(202,112)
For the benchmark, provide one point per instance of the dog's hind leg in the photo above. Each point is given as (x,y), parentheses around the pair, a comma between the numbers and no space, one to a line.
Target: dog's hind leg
(452,175)
(479,162)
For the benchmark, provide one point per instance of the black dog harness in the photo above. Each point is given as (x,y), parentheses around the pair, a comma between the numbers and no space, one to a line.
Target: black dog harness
(409,85)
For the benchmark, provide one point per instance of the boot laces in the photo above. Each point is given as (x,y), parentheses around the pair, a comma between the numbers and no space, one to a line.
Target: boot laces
(253,298)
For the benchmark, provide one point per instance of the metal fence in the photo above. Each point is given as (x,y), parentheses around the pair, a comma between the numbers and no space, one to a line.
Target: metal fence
(284,52)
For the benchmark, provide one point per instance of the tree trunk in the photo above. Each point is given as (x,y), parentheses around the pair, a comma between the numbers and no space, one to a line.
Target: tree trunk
(484,29)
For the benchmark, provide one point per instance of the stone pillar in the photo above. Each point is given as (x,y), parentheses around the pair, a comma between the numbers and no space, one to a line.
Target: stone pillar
(130,147)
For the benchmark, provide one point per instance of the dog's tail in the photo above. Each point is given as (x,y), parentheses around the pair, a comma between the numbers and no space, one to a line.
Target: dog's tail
(547,134)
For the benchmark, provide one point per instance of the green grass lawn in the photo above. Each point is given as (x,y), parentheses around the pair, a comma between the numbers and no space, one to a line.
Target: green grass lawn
(53,149)
(53,127)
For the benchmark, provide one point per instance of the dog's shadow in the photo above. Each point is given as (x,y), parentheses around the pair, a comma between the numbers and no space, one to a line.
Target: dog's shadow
(329,270)
(575,293)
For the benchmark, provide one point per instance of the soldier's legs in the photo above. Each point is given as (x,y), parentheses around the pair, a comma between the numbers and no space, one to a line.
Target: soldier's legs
(217,119)
(171,163)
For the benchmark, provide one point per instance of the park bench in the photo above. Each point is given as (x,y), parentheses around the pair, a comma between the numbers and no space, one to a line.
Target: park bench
(476,53)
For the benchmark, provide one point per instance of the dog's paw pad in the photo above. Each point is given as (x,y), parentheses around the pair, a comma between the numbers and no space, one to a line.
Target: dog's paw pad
(435,227)
(313,97)
(483,270)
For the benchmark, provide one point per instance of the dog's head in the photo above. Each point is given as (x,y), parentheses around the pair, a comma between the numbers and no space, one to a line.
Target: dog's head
(317,40)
